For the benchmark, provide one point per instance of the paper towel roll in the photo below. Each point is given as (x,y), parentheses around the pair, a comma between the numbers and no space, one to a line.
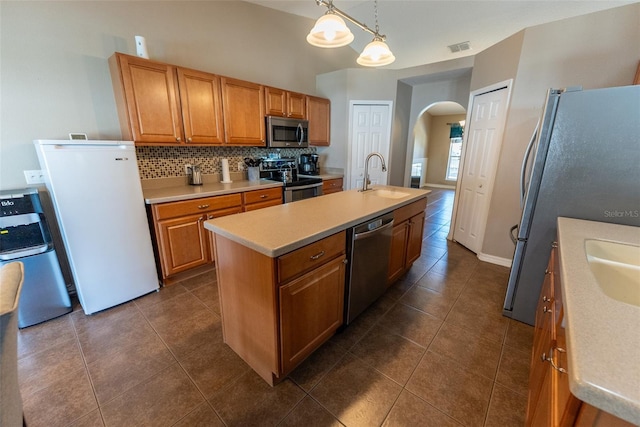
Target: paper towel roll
(141,47)
(226,178)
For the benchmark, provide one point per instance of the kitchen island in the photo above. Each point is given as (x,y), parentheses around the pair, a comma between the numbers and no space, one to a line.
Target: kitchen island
(281,272)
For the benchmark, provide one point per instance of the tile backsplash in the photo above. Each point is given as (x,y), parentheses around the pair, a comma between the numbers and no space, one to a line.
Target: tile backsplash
(169,161)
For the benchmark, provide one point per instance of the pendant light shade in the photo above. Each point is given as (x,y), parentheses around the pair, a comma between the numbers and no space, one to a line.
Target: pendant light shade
(330,31)
(376,54)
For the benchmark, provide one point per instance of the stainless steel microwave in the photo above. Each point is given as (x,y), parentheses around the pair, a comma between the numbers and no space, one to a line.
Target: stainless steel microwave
(283,132)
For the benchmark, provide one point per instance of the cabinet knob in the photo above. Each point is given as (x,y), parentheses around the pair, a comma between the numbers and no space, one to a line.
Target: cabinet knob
(546,309)
(210,216)
(263,196)
(189,140)
(203,206)
(546,299)
(316,256)
(178,139)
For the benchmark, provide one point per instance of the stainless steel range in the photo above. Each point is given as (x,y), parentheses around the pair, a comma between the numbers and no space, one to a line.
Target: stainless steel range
(295,187)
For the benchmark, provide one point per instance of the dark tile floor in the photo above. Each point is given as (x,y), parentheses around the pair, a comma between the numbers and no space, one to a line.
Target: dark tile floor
(435,350)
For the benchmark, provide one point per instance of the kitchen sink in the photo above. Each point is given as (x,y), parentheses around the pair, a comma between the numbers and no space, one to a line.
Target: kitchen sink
(389,194)
(616,267)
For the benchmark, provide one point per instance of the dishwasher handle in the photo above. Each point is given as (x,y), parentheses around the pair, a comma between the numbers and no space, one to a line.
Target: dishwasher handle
(364,235)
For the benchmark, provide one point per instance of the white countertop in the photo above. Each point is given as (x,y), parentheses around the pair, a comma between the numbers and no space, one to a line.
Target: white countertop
(185,192)
(603,334)
(277,230)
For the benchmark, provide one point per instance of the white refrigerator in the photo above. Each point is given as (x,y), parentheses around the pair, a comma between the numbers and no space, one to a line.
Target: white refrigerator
(97,196)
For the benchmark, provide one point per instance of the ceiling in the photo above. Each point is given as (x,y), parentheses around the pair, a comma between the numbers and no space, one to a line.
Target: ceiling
(419,31)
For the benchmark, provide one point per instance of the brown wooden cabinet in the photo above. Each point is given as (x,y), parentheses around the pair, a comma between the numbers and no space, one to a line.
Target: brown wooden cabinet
(146,95)
(182,243)
(406,240)
(277,311)
(331,185)
(550,402)
(258,199)
(243,111)
(201,104)
(319,116)
(283,103)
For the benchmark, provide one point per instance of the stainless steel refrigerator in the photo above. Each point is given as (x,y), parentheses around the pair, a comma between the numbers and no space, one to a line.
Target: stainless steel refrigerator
(583,162)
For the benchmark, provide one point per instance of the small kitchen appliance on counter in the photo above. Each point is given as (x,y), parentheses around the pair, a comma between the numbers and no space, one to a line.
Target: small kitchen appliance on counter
(308,164)
(295,187)
(25,237)
(195,175)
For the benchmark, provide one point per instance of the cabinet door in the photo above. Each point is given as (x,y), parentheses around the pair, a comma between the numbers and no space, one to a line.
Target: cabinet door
(398,251)
(311,310)
(414,243)
(182,244)
(150,98)
(201,107)
(275,101)
(243,111)
(296,105)
(331,186)
(318,114)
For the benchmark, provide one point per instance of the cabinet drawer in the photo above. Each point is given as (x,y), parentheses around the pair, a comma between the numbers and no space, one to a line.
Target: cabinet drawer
(204,204)
(311,256)
(406,212)
(258,196)
(331,185)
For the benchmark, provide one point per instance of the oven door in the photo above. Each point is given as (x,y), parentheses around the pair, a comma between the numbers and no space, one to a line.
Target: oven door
(292,194)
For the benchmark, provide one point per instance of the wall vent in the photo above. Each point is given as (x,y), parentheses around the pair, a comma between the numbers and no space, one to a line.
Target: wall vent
(459,47)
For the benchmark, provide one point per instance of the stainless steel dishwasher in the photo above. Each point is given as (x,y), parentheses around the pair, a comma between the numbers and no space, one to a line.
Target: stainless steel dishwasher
(369,245)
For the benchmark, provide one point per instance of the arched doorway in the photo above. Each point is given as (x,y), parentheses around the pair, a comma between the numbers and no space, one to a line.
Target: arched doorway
(435,153)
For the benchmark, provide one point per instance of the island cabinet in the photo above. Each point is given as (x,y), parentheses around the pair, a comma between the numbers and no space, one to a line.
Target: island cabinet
(331,185)
(406,239)
(243,111)
(319,116)
(283,103)
(182,243)
(550,402)
(277,311)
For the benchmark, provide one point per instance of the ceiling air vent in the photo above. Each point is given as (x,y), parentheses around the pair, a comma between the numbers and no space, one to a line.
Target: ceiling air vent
(459,47)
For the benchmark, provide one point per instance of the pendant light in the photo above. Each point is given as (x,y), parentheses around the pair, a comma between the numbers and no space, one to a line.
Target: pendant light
(331,31)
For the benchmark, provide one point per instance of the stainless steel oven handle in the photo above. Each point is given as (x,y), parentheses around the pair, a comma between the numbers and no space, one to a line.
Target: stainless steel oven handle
(303,187)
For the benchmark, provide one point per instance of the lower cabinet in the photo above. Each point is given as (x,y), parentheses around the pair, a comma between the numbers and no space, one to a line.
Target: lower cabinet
(332,185)
(550,402)
(311,310)
(406,241)
(277,311)
(181,241)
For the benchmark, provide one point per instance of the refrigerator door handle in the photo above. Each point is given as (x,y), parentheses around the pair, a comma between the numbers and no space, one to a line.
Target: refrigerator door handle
(525,162)
(514,239)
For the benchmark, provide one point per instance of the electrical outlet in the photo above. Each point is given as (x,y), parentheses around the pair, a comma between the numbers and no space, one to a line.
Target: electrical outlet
(240,166)
(34,177)
(186,169)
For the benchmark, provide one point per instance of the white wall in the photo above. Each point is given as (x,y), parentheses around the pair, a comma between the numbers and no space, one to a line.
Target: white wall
(55,79)
(596,50)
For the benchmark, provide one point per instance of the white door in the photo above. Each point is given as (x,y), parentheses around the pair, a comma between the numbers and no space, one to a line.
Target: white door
(484,139)
(370,131)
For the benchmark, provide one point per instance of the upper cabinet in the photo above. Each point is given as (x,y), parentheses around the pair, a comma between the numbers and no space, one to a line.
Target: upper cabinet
(243,108)
(201,103)
(165,104)
(284,103)
(146,96)
(318,114)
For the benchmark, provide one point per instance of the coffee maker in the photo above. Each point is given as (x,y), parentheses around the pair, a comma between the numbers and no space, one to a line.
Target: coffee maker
(308,164)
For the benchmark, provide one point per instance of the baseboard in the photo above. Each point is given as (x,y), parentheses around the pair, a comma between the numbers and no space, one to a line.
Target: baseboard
(505,262)
(450,187)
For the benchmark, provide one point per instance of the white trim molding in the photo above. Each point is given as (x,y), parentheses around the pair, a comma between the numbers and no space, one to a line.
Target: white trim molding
(505,262)
(450,187)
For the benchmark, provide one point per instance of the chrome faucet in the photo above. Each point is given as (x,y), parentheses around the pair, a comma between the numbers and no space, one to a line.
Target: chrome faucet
(366,181)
